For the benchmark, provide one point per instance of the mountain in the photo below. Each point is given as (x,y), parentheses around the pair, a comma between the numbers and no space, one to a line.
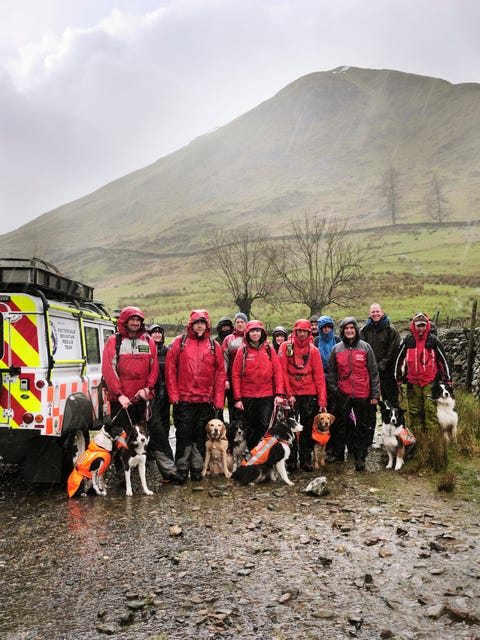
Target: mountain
(324,143)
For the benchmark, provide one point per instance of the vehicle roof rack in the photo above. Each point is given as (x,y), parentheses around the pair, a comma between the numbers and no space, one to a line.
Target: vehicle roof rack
(34,274)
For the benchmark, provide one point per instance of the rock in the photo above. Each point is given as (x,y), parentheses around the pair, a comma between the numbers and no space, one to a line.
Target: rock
(436,611)
(317,487)
(175,530)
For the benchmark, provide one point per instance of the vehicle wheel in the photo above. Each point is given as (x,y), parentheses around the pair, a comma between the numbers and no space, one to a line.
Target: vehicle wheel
(75,443)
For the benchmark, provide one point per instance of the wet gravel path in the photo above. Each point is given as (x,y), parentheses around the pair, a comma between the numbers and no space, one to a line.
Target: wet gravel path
(382,555)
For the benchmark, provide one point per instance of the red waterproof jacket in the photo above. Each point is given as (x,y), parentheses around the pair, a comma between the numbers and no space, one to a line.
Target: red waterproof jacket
(420,358)
(352,367)
(194,367)
(137,364)
(302,366)
(230,346)
(256,371)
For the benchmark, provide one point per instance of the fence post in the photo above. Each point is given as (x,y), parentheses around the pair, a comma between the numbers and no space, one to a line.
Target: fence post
(471,347)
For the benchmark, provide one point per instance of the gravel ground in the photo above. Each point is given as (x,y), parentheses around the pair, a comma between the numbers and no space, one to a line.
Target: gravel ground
(381,555)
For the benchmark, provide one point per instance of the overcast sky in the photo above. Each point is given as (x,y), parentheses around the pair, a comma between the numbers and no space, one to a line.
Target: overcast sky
(91,90)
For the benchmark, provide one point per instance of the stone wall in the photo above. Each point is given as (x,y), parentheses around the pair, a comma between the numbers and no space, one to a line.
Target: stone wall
(456,343)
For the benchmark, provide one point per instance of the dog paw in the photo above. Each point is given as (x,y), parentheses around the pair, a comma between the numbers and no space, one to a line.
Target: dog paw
(148,492)
(228,474)
(129,493)
(389,465)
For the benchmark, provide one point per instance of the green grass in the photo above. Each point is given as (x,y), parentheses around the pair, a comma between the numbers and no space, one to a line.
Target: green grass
(413,268)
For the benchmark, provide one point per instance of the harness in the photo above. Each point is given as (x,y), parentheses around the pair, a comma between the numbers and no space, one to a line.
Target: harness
(322,437)
(405,436)
(259,454)
(84,463)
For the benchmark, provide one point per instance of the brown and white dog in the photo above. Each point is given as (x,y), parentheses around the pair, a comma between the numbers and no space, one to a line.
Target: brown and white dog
(135,455)
(217,457)
(321,435)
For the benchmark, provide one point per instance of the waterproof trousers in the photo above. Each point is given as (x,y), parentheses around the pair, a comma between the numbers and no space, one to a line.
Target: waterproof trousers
(190,419)
(422,410)
(159,429)
(256,416)
(356,436)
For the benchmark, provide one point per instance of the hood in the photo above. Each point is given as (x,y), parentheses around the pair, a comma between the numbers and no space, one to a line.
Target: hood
(125,314)
(323,320)
(303,324)
(280,330)
(198,314)
(255,324)
(420,317)
(222,321)
(343,324)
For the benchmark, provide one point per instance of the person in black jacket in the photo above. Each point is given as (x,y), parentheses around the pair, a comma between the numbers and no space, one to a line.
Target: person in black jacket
(384,340)
(159,423)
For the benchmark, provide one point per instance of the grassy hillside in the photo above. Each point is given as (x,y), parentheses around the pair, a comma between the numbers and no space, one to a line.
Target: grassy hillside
(324,144)
(415,267)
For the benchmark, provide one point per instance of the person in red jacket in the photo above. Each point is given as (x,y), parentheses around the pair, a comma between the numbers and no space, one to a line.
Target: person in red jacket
(305,387)
(257,381)
(355,382)
(230,346)
(195,380)
(129,367)
(130,372)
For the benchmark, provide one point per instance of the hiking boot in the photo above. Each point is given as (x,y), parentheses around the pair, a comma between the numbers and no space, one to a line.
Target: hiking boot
(175,478)
(360,464)
(307,468)
(196,476)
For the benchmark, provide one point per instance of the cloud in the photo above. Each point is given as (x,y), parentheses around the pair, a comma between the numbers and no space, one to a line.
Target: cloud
(92,90)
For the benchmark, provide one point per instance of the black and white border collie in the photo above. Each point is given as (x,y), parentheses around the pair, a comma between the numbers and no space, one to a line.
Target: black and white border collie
(396,436)
(270,455)
(442,395)
(135,455)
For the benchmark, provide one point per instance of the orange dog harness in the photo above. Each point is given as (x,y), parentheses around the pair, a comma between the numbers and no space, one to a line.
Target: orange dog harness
(322,437)
(259,454)
(406,436)
(82,468)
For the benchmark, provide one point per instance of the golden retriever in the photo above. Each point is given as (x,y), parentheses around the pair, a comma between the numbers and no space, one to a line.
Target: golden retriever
(217,457)
(321,435)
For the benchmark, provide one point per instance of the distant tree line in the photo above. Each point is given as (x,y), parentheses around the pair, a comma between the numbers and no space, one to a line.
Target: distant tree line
(316,265)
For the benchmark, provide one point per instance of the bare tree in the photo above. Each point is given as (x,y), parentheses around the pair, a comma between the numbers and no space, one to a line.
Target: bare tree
(390,192)
(239,261)
(318,265)
(436,202)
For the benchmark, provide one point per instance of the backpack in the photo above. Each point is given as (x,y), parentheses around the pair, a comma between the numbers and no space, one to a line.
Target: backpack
(245,349)
(118,342)
(184,339)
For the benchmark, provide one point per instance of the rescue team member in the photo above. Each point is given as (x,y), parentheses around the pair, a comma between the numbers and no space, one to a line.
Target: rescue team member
(130,371)
(159,423)
(130,368)
(195,379)
(420,359)
(257,380)
(230,346)
(305,387)
(354,379)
